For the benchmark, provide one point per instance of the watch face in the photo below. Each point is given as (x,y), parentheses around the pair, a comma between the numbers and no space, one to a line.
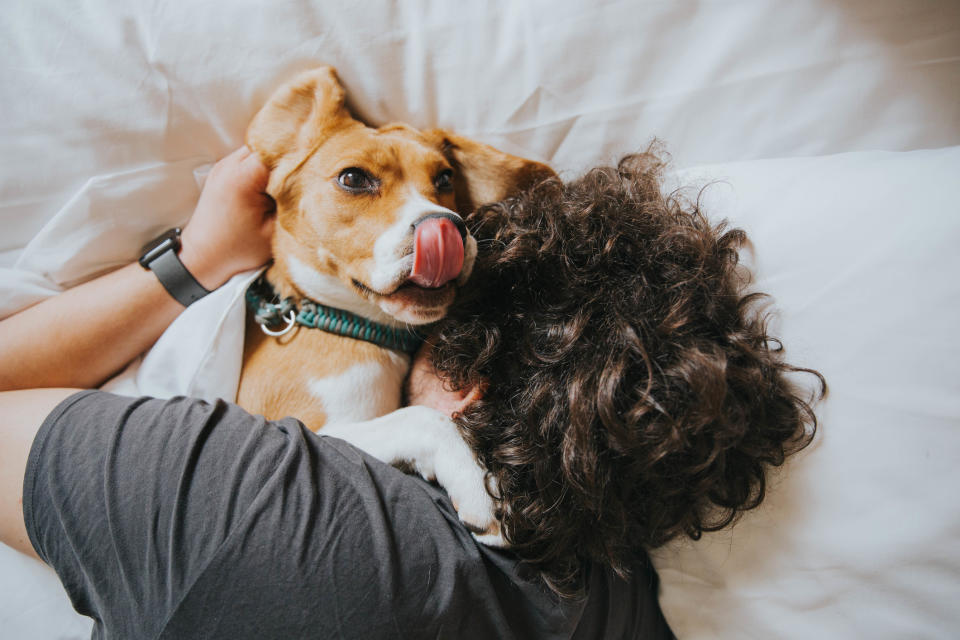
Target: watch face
(169,240)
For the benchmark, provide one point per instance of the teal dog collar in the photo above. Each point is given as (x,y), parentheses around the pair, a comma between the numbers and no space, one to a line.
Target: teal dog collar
(270,311)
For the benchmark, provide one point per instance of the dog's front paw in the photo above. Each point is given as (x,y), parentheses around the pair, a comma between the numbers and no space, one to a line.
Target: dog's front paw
(430,442)
(464,480)
(444,457)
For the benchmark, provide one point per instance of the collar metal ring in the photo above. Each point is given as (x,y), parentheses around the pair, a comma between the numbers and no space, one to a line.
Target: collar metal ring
(290,318)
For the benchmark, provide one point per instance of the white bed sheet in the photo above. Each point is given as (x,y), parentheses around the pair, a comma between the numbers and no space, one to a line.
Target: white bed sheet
(112,110)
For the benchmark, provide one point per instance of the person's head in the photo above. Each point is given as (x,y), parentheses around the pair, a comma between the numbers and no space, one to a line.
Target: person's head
(630,391)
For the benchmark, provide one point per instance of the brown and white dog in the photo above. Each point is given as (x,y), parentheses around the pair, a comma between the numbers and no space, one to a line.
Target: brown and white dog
(368,221)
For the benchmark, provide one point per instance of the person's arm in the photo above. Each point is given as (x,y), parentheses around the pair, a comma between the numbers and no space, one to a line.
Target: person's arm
(83,336)
(23,412)
(80,338)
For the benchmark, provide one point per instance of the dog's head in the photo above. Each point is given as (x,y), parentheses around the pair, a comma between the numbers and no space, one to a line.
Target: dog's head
(370,219)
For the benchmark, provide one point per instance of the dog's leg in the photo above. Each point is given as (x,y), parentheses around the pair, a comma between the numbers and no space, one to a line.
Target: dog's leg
(430,441)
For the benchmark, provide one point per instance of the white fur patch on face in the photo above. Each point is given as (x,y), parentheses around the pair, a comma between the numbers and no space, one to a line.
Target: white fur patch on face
(331,291)
(362,392)
(392,252)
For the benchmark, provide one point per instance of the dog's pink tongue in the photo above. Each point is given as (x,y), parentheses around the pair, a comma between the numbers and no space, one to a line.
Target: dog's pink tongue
(437,253)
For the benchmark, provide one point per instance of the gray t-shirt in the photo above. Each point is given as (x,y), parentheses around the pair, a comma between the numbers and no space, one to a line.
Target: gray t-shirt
(184,519)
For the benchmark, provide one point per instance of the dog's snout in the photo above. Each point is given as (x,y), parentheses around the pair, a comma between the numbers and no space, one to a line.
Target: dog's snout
(452,217)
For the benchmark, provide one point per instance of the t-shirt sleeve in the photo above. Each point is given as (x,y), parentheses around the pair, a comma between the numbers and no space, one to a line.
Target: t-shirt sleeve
(130,499)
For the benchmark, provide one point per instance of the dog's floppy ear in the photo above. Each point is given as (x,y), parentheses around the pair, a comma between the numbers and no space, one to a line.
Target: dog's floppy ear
(485,174)
(295,120)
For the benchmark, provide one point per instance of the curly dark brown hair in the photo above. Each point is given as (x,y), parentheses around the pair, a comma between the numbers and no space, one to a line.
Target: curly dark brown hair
(632,392)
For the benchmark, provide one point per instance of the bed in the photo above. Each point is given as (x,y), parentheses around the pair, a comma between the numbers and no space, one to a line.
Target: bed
(829,130)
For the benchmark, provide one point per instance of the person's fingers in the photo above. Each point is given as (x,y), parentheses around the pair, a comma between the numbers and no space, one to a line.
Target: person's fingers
(224,164)
(269,222)
(238,154)
(255,173)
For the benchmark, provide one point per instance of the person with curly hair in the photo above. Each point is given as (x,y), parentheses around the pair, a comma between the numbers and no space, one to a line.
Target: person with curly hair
(631,392)
(606,367)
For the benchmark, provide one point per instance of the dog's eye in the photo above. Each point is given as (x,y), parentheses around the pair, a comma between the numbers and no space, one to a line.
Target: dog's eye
(444,180)
(354,179)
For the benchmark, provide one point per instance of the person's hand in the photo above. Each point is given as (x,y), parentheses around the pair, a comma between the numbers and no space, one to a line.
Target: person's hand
(231,228)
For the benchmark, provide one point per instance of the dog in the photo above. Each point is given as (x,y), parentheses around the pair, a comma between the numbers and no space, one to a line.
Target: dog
(369,245)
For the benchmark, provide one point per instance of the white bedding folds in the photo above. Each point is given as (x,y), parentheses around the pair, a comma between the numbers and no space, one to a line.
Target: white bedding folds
(834,127)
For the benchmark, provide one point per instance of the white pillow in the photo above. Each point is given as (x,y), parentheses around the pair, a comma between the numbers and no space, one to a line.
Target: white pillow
(859,535)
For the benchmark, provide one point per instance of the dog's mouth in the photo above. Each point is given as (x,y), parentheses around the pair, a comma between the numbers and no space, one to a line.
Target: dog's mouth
(433,265)
(407,289)
(410,302)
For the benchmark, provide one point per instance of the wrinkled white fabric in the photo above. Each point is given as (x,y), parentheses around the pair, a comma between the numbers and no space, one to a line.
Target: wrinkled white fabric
(199,355)
(113,111)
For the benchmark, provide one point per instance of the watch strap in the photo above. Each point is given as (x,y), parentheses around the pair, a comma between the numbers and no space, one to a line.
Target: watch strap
(176,279)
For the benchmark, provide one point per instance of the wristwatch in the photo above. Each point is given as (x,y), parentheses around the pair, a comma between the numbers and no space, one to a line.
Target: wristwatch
(160,256)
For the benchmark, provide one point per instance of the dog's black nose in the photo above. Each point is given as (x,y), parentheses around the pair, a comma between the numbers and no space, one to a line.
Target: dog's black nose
(452,217)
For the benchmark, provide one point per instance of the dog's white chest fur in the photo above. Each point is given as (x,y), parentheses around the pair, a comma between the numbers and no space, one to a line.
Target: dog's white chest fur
(365,390)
